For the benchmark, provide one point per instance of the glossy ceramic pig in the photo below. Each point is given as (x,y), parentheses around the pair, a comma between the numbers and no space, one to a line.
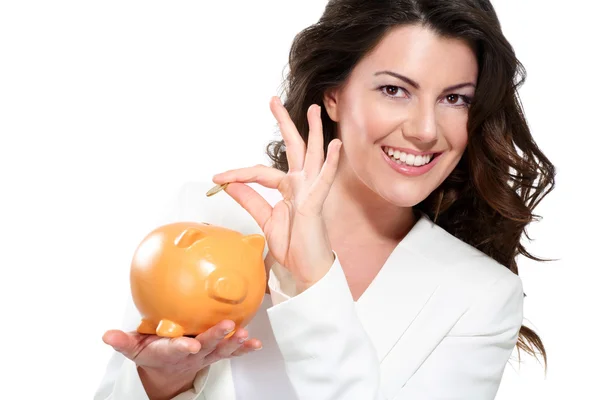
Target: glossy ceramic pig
(187,277)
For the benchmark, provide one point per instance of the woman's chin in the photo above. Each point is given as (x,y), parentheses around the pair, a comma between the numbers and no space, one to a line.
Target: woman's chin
(405,196)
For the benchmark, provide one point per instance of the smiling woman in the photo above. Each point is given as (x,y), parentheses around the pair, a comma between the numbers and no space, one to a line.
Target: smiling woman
(423,57)
(400,190)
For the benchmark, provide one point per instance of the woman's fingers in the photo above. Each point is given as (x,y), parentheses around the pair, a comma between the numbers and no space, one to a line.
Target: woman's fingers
(325,179)
(327,174)
(248,346)
(151,350)
(239,343)
(314,153)
(130,344)
(261,174)
(294,145)
(182,346)
(251,201)
(247,197)
(227,346)
(158,352)
(119,340)
(213,336)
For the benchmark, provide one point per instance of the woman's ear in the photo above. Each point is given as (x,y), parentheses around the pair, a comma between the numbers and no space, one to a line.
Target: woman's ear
(330,101)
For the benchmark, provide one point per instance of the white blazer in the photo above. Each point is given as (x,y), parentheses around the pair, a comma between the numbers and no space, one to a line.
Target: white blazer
(439,321)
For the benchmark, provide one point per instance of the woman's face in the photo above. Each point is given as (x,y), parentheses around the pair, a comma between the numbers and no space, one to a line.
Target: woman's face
(408,98)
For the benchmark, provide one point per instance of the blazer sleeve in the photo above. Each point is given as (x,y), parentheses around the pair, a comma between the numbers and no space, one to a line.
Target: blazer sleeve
(327,353)
(121,380)
(469,362)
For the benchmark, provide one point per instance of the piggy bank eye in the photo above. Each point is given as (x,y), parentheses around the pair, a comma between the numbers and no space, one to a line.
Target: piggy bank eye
(206,223)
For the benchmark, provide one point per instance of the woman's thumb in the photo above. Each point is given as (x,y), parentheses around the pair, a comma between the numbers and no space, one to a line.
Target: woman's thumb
(119,341)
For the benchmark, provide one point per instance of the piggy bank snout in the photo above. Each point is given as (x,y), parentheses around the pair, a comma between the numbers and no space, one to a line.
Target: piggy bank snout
(230,289)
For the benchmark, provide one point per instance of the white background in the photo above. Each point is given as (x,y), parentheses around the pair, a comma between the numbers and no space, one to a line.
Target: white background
(106,108)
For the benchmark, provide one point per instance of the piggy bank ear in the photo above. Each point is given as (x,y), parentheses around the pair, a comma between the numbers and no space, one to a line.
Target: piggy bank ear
(257,241)
(189,237)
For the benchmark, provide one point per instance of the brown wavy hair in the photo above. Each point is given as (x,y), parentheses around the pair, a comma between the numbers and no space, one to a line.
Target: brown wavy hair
(489,198)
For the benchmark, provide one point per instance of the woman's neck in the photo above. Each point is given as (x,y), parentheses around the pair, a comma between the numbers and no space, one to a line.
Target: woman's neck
(357,216)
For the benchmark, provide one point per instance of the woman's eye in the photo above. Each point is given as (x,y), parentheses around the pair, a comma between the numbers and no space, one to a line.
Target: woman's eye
(392,91)
(455,100)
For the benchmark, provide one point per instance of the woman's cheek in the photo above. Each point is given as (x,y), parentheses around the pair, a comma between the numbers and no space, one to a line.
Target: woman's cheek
(381,122)
(454,129)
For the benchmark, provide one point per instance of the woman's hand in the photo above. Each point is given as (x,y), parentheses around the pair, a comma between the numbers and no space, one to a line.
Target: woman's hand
(168,366)
(294,229)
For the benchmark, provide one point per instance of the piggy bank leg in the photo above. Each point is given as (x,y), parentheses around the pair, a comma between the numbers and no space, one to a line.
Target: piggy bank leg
(168,328)
(147,327)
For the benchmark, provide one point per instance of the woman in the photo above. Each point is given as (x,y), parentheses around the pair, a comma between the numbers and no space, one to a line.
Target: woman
(393,272)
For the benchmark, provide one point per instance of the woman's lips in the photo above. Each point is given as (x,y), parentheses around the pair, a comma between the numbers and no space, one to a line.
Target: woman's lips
(411,170)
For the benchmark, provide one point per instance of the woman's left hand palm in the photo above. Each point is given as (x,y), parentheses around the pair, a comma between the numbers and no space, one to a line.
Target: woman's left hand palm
(294,228)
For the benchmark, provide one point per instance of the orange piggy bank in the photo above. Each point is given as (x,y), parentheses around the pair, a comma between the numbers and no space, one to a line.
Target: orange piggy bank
(186,277)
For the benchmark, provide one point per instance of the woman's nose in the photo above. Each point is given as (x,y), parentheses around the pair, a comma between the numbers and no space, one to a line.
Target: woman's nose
(421,124)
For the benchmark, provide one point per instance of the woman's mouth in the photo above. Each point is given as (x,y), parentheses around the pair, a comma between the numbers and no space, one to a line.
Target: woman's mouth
(410,164)
(409,159)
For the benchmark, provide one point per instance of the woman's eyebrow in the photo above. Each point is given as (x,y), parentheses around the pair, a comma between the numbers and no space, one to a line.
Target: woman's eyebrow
(417,86)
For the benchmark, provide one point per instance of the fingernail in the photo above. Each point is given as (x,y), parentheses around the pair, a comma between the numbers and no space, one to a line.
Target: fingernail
(242,340)
(258,348)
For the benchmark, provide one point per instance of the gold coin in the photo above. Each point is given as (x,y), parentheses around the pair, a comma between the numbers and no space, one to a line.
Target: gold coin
(216,189)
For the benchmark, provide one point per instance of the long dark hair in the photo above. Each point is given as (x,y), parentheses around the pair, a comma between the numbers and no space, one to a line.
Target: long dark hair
(488,200)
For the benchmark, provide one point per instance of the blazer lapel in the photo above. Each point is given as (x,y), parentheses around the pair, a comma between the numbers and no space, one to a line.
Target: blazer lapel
(400,292)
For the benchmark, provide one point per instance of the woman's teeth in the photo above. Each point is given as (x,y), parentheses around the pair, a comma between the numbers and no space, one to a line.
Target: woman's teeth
(408,159)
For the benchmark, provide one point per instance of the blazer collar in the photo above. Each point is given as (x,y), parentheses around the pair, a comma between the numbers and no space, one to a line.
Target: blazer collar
(400,290)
